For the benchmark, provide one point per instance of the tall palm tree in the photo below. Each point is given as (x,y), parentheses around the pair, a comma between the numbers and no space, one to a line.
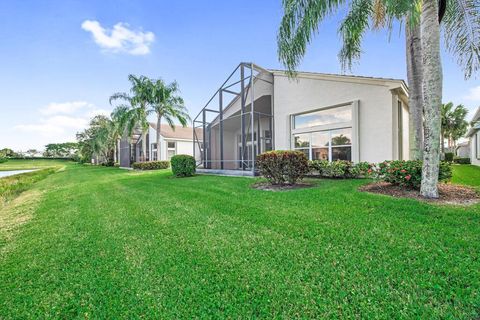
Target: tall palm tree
(137,103)
(167,105)
(454,125)
(302,17)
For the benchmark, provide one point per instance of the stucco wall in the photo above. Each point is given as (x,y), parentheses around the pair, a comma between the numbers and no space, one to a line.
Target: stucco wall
(375,111)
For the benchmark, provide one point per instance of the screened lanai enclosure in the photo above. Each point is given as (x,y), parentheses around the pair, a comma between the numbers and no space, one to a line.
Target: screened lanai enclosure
(237,121)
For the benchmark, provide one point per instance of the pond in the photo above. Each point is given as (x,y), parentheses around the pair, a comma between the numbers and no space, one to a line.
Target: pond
(4,174)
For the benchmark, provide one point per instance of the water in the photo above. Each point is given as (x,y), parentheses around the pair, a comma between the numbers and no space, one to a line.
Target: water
(4,174)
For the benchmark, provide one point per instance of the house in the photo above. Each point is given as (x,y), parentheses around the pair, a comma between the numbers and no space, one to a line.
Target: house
(463,150)
(326,116)
(474,138)
(172,141)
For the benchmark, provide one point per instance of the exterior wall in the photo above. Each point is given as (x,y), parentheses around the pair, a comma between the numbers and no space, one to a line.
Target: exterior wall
(474,149)
(376,106)
(463,151)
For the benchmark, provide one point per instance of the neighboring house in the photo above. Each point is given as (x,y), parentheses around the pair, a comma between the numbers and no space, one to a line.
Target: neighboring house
(173,141)
(325,116)
(463,150)
(474,135)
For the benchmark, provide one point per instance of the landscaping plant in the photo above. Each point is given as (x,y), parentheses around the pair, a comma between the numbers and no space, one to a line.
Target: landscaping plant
(183,165)
(151,165)
(283,167)
(408,173)
(341,169)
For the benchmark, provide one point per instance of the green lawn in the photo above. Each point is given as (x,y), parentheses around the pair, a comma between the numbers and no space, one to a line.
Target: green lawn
(93,242)
(466,174)
(30,164)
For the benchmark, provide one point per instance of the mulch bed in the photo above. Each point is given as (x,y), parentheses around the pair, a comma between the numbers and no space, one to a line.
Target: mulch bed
(448,193)
(269,187)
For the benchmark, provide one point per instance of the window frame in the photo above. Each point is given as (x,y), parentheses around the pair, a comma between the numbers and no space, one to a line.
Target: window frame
(352,125)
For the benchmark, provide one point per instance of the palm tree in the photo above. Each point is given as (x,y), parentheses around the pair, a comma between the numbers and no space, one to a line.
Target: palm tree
(137,105)
(168,105)
(302,17)
(454,125)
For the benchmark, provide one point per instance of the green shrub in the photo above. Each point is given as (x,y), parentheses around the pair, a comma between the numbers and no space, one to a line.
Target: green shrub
(341,169)
(283,167)
(2,159)
(183,165)
(150,165)
(449,156)
(408,173)
(461,160)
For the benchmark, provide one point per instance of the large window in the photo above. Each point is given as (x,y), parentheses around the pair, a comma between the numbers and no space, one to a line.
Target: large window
(329,116)
(326,145)
(324,134)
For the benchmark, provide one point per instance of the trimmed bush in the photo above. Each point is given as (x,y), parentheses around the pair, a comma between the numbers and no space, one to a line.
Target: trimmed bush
(283,167)
(151,165)
(341,169)
(183,165)
(462,160)
(408,173)
(2,159)
(449,156)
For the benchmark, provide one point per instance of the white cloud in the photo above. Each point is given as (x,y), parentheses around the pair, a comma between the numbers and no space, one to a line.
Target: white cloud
(65,107)
(473,94)
(120,38)
(58,122)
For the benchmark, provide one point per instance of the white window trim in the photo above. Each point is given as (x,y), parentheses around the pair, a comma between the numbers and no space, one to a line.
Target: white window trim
(354,125)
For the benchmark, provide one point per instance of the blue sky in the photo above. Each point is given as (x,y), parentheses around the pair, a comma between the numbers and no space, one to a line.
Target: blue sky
(60,60)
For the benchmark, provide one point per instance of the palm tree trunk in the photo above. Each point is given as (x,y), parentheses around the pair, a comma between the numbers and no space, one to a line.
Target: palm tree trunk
(159,122)
(432,97)
(442,141)
(144,146)
(115,152)
(414,76)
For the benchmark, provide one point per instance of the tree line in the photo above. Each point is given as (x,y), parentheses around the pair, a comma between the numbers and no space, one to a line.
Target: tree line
(146,97)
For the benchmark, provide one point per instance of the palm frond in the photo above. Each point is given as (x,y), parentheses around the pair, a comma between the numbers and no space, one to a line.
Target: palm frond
(352,29)
(461,25)
(298,26)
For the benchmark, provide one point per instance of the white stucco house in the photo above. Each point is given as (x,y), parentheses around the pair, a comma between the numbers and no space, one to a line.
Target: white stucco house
(326,116)
(173,141)
(474,138)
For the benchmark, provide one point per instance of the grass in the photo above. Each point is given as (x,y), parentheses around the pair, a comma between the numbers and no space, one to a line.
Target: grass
(17,164)
(108,243)
(13,185)
(466,174)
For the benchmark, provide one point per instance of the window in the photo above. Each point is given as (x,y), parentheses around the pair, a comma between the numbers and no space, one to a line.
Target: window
(326,145)
(154,151)
(171,149)
(329,116)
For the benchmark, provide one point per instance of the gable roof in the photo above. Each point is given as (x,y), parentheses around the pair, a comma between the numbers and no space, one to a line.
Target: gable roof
(184,133)
(342,77)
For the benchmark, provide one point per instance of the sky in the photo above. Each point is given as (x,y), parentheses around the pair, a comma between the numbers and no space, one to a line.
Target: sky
(60,61)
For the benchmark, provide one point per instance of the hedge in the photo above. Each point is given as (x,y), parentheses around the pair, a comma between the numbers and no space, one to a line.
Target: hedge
(462,160)
(151,165)
(449,156)
(183,165)
(283,167)
(2,159)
